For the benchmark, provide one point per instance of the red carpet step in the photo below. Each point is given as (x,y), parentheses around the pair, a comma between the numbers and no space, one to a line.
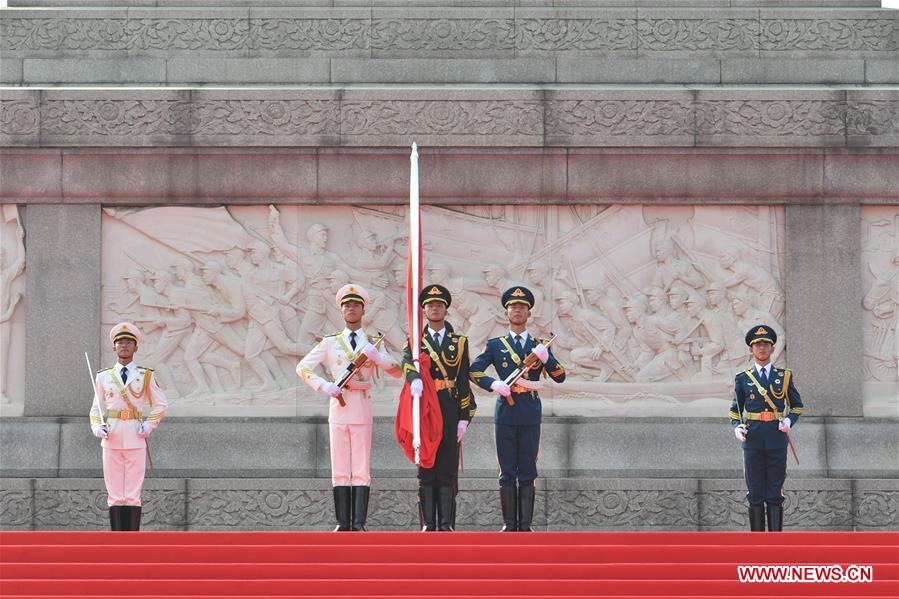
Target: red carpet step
(399,564)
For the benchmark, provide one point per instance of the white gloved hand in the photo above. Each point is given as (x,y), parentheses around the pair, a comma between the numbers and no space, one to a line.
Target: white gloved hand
(143,431)
(331,389)
(541,352)
(416,386)
(501,388)
(102,432)
(784,425)
(740,433)
(371,352)
(460,430)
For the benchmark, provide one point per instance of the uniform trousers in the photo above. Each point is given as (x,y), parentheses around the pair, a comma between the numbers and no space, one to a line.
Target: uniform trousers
(765,471)
(123,471)
(350,455)
(516,451)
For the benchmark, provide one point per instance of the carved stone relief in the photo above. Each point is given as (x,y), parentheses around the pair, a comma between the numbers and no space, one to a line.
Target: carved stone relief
(12,311)
(650,303)
(880,283)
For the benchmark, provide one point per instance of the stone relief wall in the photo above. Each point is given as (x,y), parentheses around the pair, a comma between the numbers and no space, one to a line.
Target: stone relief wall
(12,311)
(358,32)
(650,303)
(880,277)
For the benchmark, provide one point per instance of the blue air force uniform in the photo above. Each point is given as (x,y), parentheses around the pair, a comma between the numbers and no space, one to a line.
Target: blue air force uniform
(517,426)
(762,396)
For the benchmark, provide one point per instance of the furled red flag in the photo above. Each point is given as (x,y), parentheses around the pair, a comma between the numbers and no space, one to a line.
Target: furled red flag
(431,419)
(419,423)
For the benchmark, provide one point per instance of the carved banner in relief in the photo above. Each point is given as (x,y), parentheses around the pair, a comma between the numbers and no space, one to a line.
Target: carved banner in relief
(650,303)
(12,311)
(880,282)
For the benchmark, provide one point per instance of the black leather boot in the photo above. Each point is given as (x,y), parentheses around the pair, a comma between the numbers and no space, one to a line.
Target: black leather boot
(132,517)
(525,507)
(360,507)
(775,518)
(427,507)
(508,501)
(342,508)
(446,508)
(115,517)
(757,518)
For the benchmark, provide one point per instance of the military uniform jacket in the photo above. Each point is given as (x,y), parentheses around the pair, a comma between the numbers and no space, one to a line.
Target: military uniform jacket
(125,404)
(335,354)
(449,362)
(761,432)
(505,358)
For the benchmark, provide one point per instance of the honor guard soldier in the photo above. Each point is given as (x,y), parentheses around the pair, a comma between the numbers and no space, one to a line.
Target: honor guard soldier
(349,425)
(123,394)
(772,405)
(518,409)
(439,484)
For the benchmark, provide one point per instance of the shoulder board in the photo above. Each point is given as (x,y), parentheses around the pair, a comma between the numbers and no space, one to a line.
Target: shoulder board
(104,370)
(457,336)
(495,338)
(144,368)
(338,333)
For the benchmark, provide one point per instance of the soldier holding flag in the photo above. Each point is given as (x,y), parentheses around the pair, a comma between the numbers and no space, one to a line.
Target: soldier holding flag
(350,424)
(773,406)
(448,351)
(518,409)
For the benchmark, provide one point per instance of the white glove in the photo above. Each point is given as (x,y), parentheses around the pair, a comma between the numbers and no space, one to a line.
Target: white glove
(501,388)
(460,430)
(102,432)
(784,425)
(416,386)
(740,433)
(371,352)
(541,352)
(331,389)
(143,431)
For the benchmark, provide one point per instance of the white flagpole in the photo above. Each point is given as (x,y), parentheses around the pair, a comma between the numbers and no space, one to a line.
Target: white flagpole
(414,245)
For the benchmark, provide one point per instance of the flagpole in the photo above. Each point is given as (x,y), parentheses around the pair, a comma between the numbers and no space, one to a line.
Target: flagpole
(415,276)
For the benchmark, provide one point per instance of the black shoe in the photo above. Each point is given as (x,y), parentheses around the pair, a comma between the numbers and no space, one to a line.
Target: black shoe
(508,501)
(446,508)
(525,508)
(775,518)
(757,518)
(342,508)
(360,507)
(427,507)
(116,517)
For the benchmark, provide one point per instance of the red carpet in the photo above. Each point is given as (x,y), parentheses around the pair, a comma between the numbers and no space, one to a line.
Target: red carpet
(391,564)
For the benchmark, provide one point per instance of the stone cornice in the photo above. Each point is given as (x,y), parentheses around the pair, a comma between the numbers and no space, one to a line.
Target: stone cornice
(485,117)
(452,31)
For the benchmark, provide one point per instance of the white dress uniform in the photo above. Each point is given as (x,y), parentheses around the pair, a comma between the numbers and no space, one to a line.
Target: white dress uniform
(133,408)
(350,426)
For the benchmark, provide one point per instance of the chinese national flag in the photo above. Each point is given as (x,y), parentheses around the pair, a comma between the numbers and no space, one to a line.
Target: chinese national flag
(431,419)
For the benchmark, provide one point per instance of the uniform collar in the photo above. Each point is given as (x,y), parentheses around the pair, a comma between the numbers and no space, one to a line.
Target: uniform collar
(769,366)
(131,367)
(360,336)
(441,333)
(524,337)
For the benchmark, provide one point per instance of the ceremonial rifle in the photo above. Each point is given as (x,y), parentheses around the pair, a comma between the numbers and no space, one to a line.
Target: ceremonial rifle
(530,362)
(351,369)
